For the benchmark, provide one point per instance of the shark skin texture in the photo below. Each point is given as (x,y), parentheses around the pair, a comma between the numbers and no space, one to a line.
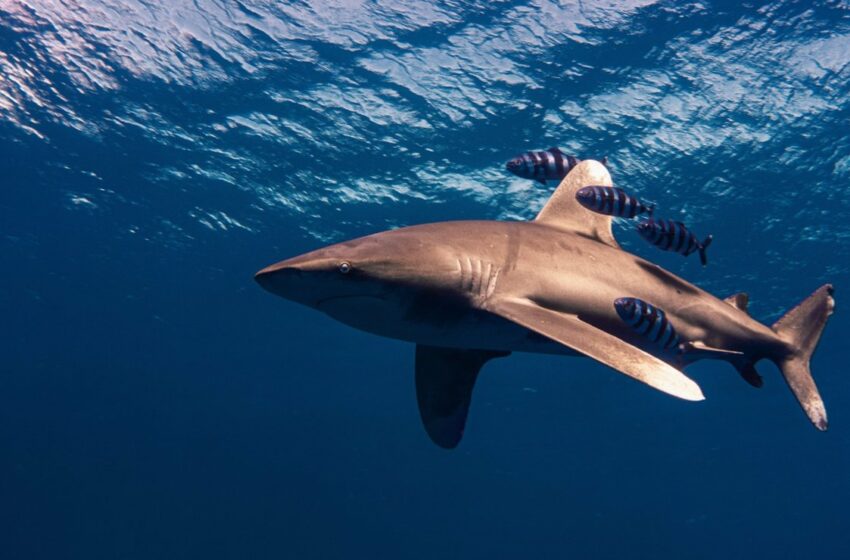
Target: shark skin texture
(466,292)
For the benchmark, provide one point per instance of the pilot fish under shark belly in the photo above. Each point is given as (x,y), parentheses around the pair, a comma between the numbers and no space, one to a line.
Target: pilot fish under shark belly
(468,292)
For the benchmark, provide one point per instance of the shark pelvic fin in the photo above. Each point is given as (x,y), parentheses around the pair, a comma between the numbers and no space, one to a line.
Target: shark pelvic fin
(700,347)
(564,212)
(595,343)
(740,301)
(445,378)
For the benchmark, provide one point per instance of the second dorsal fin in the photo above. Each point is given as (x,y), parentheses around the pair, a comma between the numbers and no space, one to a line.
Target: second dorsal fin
(563,211)
(740,300)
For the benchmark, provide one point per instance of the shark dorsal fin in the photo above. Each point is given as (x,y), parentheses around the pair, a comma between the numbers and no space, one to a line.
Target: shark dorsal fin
(563,211)
(739,301)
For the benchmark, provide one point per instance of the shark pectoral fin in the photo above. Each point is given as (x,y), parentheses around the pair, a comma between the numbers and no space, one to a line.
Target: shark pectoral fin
(445,378)
(563,211)
(595,343)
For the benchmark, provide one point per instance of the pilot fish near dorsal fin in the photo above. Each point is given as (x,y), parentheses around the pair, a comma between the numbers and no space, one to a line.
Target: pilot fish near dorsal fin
(740,301)
(563,211)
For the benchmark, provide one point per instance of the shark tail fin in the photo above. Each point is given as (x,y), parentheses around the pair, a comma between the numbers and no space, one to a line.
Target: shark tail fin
(801,328)
(702,247)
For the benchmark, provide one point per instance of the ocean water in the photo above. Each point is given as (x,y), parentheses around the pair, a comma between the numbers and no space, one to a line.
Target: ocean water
(156,403)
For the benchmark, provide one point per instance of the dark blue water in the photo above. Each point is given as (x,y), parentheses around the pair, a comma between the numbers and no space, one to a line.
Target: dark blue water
(155,403)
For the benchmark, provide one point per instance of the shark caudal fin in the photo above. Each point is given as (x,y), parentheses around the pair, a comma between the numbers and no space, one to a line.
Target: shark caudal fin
(801,329)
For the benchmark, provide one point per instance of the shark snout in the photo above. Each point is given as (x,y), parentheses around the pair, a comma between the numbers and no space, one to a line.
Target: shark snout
(275,277)
(296,278)
(312,278)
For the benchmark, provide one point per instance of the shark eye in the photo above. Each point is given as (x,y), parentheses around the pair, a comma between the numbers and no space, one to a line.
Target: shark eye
(344,267)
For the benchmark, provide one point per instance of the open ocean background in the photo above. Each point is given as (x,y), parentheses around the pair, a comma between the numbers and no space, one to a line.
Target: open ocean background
(156,403)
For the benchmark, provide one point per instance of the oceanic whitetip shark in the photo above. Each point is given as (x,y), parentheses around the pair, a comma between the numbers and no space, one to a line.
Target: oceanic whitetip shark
(466,292)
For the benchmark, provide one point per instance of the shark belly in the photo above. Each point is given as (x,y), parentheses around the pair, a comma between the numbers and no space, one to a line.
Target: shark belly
(436,320)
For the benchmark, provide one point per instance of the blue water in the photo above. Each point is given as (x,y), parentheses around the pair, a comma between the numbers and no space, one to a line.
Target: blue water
(156,403)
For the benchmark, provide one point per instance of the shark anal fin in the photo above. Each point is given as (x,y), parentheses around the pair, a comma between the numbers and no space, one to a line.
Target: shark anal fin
(445,378)
(740,301)
(564,212)
(750,375)
(595,343)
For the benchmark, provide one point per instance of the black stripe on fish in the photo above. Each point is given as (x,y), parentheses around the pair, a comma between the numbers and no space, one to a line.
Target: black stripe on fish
(559,162)
(552,167)
(621,201)
(652,314)
(681,236)
(632,207)
(542,163)
(609,201)
(670,235)
(662,323)
(639,312)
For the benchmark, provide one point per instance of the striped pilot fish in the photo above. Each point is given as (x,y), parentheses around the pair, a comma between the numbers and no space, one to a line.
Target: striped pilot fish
(668,235)
(549,165)
(611,201)
(648,321)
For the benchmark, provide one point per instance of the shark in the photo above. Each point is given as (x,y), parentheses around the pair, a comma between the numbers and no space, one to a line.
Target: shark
(467,292)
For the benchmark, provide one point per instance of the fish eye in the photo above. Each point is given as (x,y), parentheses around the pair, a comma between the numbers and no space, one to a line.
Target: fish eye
(344,267)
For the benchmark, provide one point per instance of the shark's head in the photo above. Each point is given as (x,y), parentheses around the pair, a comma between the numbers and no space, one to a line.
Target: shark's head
(366,280)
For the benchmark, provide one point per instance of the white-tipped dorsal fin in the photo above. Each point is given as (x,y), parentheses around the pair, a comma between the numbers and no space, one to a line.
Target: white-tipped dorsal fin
(739,300)
(563,211)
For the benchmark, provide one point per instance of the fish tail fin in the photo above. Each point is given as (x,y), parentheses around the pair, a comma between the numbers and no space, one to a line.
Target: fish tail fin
(702,247)
(801,329)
